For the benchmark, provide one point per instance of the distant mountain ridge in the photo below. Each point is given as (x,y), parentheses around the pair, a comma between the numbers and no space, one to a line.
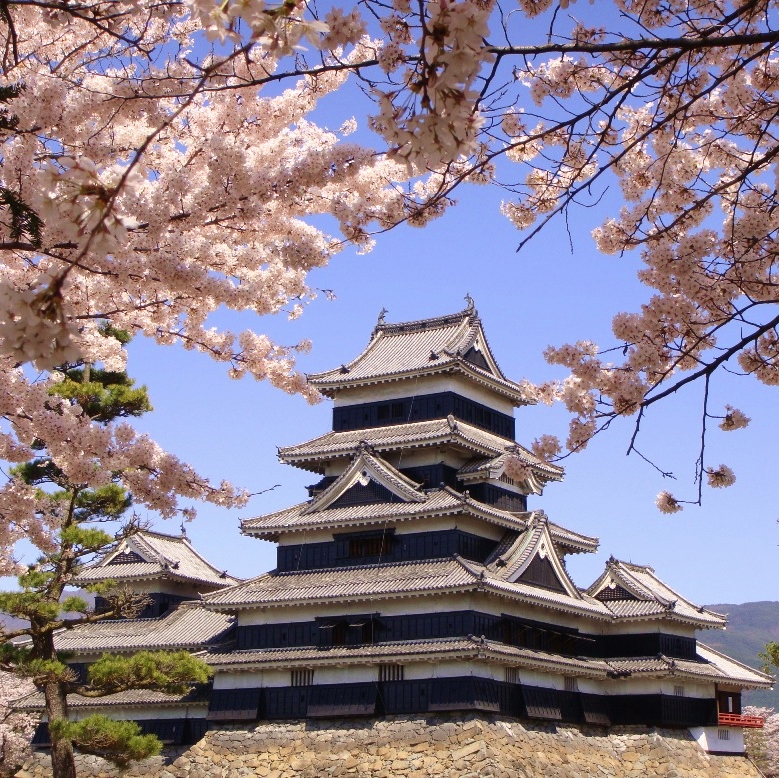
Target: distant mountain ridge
(750,626)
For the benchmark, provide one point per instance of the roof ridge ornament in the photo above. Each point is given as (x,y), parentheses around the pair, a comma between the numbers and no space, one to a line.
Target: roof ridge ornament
(382,314)
(471,307)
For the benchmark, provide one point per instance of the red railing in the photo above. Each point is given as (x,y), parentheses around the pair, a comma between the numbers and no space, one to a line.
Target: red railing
(737,720)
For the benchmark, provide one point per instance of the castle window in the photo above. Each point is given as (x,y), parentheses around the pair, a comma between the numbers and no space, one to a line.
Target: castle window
(390,673)
(383,412)
(511,675)
(397,410)
(678,691)
(375,545)
(302,677)
(723,734)
(571,684)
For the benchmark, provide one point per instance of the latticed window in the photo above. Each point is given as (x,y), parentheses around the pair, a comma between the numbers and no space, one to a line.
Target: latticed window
(678,691)
(511,675)
(302,677)
(617,593)
(126,557)
(723,734)
(376,545)
(390,672)
(571,684)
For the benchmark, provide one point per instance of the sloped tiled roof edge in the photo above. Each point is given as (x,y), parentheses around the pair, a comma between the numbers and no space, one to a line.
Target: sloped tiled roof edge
(466,647)
(371,583)
(436,502)
(189,626)
(417,434)
(167,556)
(374,467)
(198,696)
(729,665)
(654,598)
(421,355)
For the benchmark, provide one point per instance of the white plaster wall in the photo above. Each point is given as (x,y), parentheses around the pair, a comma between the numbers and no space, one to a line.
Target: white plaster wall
(138,713)
(167,587)
(668,627)
(276,678)
(401,527)
(243,679)
(477,601)
(709,739)
(658,686)
(323,675)
(416,387)
(537,678)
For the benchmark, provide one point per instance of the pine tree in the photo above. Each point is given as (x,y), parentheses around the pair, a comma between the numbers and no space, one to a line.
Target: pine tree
(83,517)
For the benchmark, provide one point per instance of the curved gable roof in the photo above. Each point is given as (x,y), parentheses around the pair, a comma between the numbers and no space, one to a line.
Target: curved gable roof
(155,555)
(426,346)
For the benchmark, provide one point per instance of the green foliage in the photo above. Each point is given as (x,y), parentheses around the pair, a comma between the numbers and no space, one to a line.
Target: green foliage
(106,503)
(9,92)
(118,741)
(104,395)
(75,604)
(46,670)
(25,222)
(29,605)
(90,538)
(770,657)
(172,672)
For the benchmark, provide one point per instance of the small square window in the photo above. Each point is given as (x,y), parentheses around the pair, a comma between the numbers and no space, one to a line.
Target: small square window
(723,734)
(571,684)
(678,691)
(512,675)
(302,677)
(391,672)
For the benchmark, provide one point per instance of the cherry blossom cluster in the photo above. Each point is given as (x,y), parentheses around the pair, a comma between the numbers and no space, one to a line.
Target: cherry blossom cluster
(165,191)
(173,181)
(16,728)
(432,119)
(762,745)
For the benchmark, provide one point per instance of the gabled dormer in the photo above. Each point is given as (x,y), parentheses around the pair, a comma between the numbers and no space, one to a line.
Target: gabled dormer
(369,479)
(635,592)
(421,370)
(165,568)
(532,559)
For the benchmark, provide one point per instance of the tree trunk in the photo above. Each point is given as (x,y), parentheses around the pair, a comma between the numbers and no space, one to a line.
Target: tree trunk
(62,762)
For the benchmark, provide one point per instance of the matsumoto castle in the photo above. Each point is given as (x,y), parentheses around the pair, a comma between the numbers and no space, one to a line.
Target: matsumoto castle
(416,577)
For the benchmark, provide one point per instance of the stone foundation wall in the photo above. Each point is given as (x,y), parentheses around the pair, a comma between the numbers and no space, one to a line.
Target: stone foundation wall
(451,746)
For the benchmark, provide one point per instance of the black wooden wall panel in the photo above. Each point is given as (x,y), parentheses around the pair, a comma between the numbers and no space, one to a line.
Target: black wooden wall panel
(378,547)
(423,408)
(235,704)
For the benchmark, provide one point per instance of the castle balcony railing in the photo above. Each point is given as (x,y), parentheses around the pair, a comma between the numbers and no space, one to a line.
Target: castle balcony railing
(737,720)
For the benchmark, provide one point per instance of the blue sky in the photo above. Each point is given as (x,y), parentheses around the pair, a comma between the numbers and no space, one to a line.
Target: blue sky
(723,552)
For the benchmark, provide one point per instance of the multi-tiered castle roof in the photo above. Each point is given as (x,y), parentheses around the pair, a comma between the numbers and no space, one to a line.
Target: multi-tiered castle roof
(416,578)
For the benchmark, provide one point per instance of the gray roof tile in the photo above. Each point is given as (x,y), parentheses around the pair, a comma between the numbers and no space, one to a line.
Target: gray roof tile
(165,556)
(427,346)
(470,647)
(189,626)
(710,665)
(130,698)
(651,596)
(425,578)
(436,502)
(414,434)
